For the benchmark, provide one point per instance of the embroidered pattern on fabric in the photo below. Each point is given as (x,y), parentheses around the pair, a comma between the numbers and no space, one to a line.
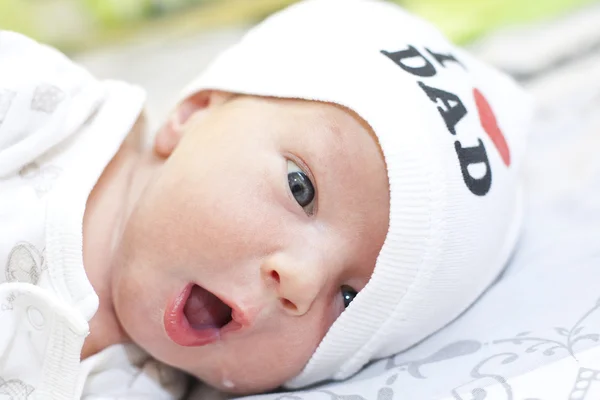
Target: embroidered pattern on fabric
(567,341)
(587,385)
(15,389)
(41,177)
(46,98)
(453,350)
(25,264)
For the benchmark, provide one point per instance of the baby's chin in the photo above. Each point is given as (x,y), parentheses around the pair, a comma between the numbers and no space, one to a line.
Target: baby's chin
(232,370)
(242,385)
(230,387)
(235,369)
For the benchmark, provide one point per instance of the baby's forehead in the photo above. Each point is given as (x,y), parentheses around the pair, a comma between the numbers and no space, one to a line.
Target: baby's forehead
(320,133)
(327,118)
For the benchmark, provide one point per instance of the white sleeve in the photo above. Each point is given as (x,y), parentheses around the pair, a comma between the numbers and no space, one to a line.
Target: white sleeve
(44,98)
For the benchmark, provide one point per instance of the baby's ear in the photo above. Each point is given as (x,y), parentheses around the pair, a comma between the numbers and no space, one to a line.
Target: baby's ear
(170,134)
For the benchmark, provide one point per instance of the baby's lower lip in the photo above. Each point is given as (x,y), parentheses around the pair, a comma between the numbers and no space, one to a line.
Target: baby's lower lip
(179,329)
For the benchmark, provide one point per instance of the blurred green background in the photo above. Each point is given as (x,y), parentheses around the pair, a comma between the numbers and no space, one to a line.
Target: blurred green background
(76,25)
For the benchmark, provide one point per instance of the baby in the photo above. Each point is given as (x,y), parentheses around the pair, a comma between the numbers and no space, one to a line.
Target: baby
(336,187)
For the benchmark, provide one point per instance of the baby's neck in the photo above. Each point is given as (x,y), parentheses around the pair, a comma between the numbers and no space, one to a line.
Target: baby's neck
(107,210)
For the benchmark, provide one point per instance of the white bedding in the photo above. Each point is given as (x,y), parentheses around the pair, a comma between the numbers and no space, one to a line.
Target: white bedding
(535,334)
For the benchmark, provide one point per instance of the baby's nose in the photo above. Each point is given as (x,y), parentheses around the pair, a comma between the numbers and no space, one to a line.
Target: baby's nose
(296,283)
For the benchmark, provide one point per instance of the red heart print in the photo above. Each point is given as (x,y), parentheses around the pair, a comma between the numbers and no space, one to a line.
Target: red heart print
(490,126)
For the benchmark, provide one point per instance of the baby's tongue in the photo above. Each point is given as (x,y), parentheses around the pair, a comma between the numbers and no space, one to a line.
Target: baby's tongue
(204,310)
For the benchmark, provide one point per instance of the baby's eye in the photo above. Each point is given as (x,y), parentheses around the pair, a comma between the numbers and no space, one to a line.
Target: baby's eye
(301,187)
(348,295)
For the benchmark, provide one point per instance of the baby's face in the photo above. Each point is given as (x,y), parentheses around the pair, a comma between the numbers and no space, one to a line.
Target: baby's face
(250,239)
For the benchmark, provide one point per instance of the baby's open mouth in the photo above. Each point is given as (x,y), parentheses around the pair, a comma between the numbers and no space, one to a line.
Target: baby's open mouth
(197,317)
(204,310)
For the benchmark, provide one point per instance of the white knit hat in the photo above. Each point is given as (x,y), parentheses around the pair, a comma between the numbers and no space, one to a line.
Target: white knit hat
(452,132)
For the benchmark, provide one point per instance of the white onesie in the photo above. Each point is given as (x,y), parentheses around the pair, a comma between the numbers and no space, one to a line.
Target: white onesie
(59,128)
